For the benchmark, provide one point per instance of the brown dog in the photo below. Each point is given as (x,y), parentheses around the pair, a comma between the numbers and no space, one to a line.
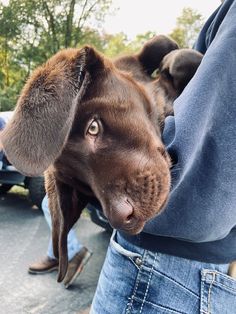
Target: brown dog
(94,125)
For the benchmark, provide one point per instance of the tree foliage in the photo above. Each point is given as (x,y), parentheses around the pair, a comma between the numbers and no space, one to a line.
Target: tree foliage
(188,25)
(33,30)
(119,44)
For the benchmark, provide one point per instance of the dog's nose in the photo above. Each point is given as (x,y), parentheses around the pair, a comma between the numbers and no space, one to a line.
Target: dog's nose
(121,214)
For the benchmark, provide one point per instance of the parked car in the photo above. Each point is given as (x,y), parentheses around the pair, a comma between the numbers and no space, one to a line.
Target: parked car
(9,176)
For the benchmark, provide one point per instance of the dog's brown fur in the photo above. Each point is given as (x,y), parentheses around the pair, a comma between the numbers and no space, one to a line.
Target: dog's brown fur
(125,165)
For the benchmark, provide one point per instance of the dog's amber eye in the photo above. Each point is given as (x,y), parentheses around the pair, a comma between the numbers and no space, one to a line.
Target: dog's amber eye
(93,128)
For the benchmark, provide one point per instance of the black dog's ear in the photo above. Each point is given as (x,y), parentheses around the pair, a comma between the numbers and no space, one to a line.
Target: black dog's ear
(43,117)
(177,69)
(154,51)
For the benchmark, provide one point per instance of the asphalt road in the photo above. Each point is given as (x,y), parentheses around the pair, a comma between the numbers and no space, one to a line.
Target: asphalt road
(23,239)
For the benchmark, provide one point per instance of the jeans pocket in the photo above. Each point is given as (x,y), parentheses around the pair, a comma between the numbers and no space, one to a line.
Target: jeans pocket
(218,293)
(135,257)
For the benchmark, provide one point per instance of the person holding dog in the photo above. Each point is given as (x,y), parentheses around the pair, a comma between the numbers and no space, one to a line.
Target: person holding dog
(180,262)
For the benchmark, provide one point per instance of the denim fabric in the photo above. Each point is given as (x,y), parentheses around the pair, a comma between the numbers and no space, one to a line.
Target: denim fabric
(135,280)
(73,244)
(2,125)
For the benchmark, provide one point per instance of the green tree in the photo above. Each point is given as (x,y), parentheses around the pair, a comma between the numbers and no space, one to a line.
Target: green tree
(116,45)
(188,25)
(32,30)
(119,44)
(9,31)
(140,40)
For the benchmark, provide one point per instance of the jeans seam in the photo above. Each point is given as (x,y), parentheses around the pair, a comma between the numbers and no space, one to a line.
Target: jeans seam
(219,283)
(131,259)
(209,294)
(161,306)
(202,307)
(231,290)
(120,249)
(129,305)
(172,279)
(149,281)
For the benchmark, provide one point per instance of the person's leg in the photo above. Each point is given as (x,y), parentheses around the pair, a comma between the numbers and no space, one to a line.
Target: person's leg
(78,255)
(73,244)
(134,280)
(2,124)
(1,158)
(48,263)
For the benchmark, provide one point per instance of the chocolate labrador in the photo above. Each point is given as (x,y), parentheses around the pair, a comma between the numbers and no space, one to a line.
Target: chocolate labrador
(95,126)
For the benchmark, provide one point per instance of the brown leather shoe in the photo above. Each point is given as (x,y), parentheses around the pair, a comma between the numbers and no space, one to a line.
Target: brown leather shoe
(76,265)
(46,265)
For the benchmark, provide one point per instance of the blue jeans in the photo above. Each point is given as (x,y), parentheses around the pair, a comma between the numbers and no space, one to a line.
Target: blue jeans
(1,157)
(73,244)
(134,280)
(2,124)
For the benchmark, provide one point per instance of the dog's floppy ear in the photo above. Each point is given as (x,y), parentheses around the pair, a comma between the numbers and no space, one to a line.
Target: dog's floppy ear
(177,69)
(68,217)
(43,117)
(154,51)
(66,205)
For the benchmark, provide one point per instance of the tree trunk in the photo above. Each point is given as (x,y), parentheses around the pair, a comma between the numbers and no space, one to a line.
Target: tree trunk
(69,25)
(52,28)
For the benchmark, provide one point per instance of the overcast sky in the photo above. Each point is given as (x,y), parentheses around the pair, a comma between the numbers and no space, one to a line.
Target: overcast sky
(138,16)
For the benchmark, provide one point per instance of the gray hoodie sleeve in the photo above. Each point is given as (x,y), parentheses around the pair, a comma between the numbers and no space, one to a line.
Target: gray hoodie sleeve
(201,139)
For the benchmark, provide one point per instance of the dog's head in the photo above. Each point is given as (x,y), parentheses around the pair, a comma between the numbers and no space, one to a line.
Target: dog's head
(115,151)
(176,70)
(86,116)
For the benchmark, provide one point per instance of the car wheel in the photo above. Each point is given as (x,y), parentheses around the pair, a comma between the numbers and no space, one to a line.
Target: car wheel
(4,188)
(36,190)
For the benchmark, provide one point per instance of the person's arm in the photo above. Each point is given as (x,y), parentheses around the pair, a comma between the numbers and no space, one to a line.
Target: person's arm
(201,138)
